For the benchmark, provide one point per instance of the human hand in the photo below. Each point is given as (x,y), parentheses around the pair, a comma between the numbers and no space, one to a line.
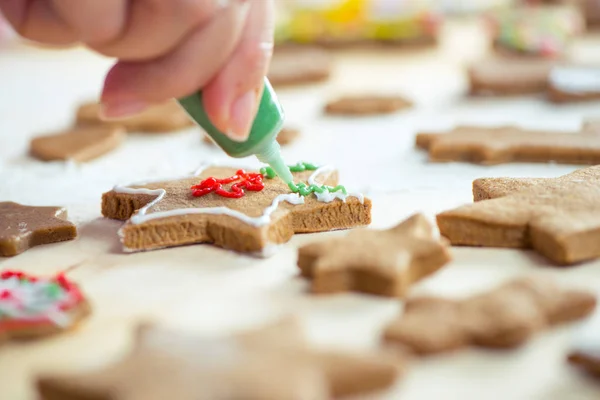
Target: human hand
(6,32)
(165,49)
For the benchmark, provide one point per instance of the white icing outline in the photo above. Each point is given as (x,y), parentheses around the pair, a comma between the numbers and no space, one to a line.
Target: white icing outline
(142,216)
(576,79)
(328,197)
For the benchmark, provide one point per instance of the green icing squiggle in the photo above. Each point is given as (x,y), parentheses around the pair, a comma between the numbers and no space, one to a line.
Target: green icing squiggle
(302,188)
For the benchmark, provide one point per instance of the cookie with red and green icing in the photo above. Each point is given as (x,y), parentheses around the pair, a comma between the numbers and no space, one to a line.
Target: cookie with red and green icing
(32,307)
(245,211)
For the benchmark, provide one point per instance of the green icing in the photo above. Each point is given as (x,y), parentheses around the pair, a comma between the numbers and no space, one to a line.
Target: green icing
(304,190)
(54,290)
(268,172)
(303,166)
(301,188)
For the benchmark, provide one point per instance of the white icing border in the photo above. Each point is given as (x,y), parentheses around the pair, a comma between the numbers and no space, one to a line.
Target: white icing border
(576,80)
(327,197)
(142,216)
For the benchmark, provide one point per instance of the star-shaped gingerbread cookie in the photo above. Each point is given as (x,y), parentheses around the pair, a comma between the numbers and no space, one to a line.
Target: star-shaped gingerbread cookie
(33,307)
(162,118)
(484,145)
(505,317)
(384,263)
(557,217)
(264,365)
(23,227)
(167,214)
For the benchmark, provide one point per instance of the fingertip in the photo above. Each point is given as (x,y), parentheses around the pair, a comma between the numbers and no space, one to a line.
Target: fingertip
(121,109)
(115,83)
(119,99)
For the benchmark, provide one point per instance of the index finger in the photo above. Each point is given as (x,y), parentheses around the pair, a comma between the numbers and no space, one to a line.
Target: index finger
(37,20)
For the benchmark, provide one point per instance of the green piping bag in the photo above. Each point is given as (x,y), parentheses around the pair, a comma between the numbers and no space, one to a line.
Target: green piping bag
(261,142)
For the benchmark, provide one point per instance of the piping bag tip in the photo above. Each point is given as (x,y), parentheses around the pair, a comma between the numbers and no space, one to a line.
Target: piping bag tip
(271,154)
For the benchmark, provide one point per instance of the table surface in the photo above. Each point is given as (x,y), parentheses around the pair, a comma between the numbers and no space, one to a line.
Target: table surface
(211,291)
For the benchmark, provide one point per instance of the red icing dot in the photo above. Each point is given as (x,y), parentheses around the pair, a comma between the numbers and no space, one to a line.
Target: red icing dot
(12,274)
(243,181)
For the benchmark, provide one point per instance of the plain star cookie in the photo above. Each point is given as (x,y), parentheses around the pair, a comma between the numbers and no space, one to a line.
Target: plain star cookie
(505,317)
(488,146)
(234,209)
(162,118)
(557,217)
(23,227)
(32,307)
(77,144)
(384,263)
(262,365)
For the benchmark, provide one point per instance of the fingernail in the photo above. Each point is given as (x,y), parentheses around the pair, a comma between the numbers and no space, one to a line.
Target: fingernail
(121,109)
(243,112)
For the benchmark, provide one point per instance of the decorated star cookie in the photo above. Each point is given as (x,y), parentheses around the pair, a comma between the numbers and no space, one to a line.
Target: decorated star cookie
(297,66)
(557,217)
(367,105)
(384,263)
(23,227)
(285,137)
(163,118)
(343,23)
(78,144)
(485,145)
(262,365)
(505,317)
(569,84)
(509,76)
(544,31)
(238,210)
(32,307)
(585,350)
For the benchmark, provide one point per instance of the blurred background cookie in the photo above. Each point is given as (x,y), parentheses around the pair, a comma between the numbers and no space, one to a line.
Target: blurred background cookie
(77,144)
(163,118)
(299,65)
(501,76)
(285,137)
(367,105)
